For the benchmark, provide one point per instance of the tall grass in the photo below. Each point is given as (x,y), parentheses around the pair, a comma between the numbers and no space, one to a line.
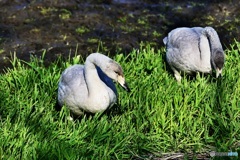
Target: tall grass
(159,116)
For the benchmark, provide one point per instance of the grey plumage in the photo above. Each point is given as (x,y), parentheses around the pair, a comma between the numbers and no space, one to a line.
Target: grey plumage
(89,87)
(194,49)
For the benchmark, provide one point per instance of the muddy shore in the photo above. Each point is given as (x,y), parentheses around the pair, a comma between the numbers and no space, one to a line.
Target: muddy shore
(30,27)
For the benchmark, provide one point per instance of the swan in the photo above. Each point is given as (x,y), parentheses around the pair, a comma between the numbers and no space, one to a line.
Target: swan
(89,87)
(194,49)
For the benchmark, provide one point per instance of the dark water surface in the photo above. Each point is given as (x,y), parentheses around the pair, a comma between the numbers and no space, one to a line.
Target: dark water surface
(29,27)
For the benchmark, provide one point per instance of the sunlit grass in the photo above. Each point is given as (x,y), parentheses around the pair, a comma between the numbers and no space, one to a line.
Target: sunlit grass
(158,116)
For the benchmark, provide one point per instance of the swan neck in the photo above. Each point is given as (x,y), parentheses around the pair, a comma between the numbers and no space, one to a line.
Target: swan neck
(93,81)
(213,39)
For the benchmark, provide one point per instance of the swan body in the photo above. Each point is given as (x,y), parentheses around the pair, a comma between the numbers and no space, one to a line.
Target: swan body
(89,87)
(194,49)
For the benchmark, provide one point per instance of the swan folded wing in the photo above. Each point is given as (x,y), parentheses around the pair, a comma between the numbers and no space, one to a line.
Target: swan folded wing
(71,85)
(183,50)
(71,74)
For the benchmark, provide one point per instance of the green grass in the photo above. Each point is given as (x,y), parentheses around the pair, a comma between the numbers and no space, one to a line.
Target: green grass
(158,117)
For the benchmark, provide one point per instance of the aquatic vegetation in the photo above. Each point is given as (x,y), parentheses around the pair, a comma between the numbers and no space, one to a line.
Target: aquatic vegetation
(1,51)
(81,30)
(47,10)
(65,14)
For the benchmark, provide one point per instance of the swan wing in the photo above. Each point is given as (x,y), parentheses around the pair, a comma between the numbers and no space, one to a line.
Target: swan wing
(183,50)
(72,86)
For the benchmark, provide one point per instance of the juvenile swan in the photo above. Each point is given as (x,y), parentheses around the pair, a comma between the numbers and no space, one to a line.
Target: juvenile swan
(90,87)
(194,49)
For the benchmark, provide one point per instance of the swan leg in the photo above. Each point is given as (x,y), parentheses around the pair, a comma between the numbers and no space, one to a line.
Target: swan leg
(70,118)
(176,74)
(74,116)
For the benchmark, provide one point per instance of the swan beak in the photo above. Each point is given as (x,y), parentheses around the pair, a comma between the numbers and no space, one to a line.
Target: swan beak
(218,72)
(122,82)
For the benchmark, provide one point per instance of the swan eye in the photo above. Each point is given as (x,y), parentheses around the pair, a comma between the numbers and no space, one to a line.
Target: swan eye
(117,72)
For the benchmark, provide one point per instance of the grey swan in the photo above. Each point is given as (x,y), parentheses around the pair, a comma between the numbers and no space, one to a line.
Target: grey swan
(194,49)
(89,87)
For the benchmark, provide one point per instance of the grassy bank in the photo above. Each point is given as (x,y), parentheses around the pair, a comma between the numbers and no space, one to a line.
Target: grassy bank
(158,117)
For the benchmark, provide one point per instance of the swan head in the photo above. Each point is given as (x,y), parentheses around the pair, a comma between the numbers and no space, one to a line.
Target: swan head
(115,72)
(122,82)
(217,61)
(111,68)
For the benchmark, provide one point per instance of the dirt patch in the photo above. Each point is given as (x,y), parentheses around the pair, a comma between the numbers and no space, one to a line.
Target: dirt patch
(29,27)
